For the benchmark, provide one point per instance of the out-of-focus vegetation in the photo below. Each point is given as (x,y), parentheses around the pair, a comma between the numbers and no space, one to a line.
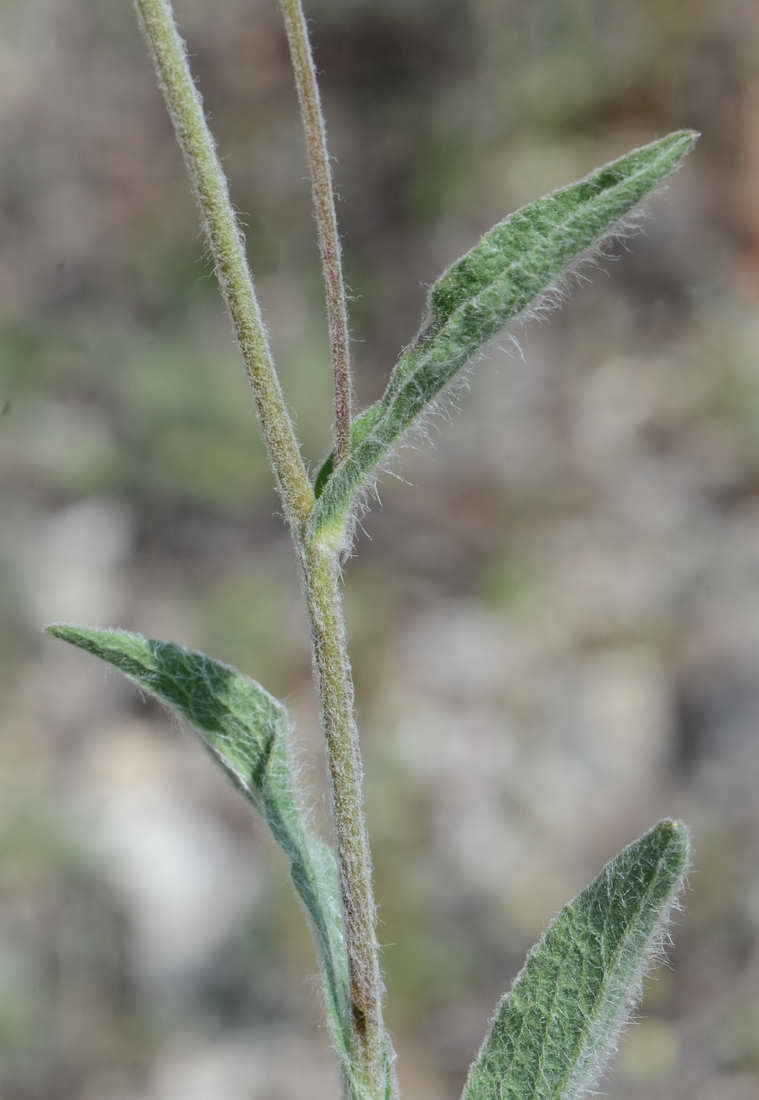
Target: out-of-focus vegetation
(555,626)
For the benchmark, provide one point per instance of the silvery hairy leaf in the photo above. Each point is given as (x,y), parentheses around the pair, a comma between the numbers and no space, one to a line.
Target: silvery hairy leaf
(502,277)
(553,1033)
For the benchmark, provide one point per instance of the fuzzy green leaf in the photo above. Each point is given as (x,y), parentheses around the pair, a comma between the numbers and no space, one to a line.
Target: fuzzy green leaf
(246,731)
(360,428)
(552,1034)
(500,278)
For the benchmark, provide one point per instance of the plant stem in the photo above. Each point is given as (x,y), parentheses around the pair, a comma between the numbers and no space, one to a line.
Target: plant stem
(319,562)
(326,218)
(323,595)
(346,773)
(226,243)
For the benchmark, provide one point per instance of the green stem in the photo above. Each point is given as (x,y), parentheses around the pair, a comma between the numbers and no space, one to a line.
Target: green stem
(323,594)
(326,218)
(335,682)
(319,562)
(226,243)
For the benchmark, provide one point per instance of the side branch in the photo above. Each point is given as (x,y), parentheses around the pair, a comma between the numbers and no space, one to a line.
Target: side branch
(326,218)
(226,243)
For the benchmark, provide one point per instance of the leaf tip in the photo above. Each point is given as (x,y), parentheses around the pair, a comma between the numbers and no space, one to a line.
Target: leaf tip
(685,140)
(64,631)
(97,640)
(70,632)
(669,843)
(677,145)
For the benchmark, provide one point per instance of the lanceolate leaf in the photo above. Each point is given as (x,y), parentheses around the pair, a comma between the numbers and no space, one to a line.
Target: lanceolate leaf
(499,279)
(552,1034)
(246,731)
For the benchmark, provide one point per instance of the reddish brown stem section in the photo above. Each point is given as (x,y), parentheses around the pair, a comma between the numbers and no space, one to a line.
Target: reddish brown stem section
(326,219)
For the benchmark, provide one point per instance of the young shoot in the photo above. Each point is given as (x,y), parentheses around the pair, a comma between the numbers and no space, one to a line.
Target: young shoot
(552,1034)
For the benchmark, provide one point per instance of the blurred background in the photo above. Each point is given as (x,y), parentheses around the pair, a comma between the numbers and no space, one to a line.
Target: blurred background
(555,623)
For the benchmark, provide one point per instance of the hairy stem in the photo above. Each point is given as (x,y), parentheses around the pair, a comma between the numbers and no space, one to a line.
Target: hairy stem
(226,243)
(326,218)
(323,593)
(319,563)
(346,773)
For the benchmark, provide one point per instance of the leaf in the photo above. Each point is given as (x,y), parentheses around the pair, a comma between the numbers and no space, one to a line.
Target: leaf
(246,731)
(359,430)
(500,278)
(552,1034)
